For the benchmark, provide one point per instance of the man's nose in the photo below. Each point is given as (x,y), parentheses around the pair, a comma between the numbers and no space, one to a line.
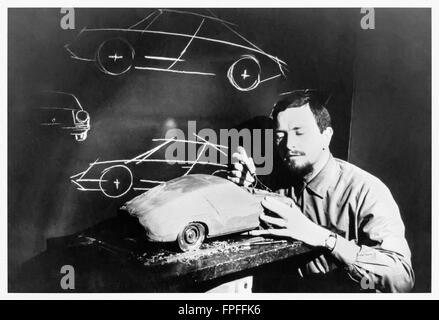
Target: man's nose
(291,141)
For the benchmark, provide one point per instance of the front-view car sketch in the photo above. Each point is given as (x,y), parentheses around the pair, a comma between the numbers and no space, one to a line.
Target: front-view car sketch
(63,110)
(174,41)
(194,207)
(115,178)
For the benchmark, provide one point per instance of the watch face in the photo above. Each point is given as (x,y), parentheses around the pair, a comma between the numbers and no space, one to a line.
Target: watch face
(330,242)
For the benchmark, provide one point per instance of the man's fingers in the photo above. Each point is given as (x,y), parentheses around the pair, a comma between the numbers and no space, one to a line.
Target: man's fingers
(312,267)
(319,265)
(240,181)
(239,166)
(281,223)
(237,173)
(259,232)
(324,263)
(276,206)
(271,232)
(251,165)
(242,151)
(242,157)
(241,175)
(238,156)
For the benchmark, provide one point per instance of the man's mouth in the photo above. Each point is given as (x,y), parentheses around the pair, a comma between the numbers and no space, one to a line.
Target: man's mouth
(295,154)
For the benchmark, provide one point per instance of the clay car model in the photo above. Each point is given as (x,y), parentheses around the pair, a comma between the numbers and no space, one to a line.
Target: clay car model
(192,208)
(177,41)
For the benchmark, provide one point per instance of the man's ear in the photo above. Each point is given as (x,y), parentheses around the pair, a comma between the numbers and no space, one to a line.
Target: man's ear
(327,136)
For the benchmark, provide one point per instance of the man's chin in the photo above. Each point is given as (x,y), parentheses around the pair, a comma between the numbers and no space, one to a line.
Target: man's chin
(300,169)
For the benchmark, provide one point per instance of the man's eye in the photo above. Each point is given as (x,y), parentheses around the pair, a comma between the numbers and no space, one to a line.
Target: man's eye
(300,133)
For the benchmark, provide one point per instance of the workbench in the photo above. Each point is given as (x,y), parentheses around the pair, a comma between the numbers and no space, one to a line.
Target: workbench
(114,256)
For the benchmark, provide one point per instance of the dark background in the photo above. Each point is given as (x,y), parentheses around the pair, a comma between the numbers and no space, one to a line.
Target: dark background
(382,77)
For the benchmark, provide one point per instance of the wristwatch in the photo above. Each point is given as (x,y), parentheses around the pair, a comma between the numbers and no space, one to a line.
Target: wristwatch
(331,241)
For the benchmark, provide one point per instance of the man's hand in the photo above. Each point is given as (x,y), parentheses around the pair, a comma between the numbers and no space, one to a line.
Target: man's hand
(291,223)
(244,170)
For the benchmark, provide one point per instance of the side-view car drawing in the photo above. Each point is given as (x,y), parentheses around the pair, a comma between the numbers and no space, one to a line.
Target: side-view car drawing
(63,110)
(191,208)
(173,41)
(115,178)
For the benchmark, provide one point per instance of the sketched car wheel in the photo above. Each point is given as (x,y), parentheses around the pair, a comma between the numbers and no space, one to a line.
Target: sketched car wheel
(116,181)
(115,56)
(191,237)
(245,73)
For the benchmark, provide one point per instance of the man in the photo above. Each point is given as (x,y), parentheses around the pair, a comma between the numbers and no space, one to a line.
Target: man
(337,206)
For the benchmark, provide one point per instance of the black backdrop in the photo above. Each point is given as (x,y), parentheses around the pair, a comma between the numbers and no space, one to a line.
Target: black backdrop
(126,112)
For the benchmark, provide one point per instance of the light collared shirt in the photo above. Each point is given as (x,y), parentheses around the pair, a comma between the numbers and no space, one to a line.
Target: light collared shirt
(361,210)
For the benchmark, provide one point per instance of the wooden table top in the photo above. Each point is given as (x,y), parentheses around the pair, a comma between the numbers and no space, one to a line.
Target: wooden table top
(116,251)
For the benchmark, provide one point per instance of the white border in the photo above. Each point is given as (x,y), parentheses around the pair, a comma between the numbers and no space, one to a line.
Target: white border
(231,4)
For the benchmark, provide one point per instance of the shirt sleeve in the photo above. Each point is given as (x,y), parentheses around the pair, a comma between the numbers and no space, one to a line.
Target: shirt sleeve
(380,258)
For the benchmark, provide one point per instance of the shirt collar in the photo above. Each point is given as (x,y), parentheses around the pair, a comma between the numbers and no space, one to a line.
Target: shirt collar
(321,182)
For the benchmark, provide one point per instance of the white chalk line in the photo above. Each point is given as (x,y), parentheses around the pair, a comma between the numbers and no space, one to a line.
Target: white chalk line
(153,20)
(211,144)
(271,78)
(187,45)
(190,141)
(82,189)
(152,181)
(160,161)
(196,160)
(184,161)
(176,71)
(150,152)
(199,15)
(67,94)
(144,19)
(74,56)
(164,58)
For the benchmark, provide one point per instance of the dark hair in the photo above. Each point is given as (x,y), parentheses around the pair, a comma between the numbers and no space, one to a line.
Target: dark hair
(299,98)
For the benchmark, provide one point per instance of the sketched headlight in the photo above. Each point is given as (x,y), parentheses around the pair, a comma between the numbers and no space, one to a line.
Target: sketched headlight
(82,116)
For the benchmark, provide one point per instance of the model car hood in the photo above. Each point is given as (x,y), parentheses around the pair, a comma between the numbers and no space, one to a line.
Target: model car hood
(167,192)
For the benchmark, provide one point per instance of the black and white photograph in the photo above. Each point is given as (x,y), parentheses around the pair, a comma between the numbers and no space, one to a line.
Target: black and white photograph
(209,150)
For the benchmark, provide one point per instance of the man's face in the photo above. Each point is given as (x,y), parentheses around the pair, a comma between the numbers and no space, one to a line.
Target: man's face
(298,139)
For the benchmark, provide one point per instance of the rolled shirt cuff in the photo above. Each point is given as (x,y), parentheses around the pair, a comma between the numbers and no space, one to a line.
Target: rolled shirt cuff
(346,251)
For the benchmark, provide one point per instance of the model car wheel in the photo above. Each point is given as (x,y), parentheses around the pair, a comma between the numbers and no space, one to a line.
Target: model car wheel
(245,73)
(191,237)
(115,56)
(116,181)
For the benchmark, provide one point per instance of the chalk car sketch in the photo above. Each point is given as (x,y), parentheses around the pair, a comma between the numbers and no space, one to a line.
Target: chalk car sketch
(191,208)
(115,178)
(63,110)
(173,41)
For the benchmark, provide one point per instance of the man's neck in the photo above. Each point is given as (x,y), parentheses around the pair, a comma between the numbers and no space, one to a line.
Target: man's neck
(318,166)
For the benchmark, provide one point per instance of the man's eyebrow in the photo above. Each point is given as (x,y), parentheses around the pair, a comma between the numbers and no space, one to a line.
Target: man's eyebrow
(296,128)
(289,129)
